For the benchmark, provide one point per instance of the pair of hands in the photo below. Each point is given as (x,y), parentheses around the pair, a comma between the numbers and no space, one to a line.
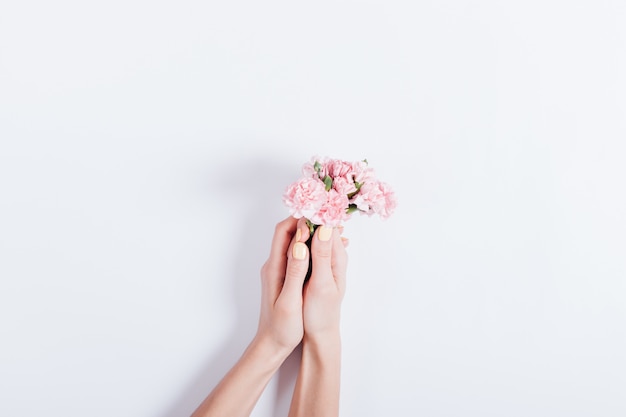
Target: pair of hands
(292,311)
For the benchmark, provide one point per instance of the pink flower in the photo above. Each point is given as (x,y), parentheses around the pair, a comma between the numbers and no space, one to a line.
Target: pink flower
(376,197)
(333,212)
(331,190)
(362,172)
(344,186)
(316,168)
(338,168)
(387,203)
(305,197)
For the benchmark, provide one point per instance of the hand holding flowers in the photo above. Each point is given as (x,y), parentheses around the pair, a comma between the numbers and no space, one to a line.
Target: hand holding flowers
(329,192)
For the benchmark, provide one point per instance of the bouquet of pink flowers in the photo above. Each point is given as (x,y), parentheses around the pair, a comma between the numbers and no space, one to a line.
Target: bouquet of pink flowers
(331,190)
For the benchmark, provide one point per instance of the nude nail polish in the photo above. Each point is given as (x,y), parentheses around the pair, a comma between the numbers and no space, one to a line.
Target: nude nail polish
(299,250)
(325,233)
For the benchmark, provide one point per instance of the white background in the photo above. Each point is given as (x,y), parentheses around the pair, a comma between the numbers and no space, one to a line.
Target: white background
(145,145)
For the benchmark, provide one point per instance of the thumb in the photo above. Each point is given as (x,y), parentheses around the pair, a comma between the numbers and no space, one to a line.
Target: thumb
(297,263)
(322,251)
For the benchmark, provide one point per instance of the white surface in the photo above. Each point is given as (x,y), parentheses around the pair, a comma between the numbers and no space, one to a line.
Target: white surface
(144,147)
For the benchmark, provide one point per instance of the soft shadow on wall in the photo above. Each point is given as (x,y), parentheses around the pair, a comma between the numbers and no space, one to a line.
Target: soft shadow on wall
(258,184)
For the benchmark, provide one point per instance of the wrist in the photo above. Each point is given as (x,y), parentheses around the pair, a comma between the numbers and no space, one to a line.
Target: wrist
(329,332)
(272,352)
(322,355)
(323,342)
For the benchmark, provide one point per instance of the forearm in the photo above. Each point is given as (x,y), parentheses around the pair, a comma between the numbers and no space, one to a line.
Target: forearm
(316,393)
(239,390)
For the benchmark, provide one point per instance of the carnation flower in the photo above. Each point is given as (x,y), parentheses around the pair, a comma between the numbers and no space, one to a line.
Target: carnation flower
(331,190)
(305,197)
(376,197)
(333,212)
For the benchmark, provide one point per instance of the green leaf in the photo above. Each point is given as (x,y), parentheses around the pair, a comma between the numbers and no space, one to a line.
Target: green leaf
(358,187)
(352,208)
(328,182)
(312,226)
(317,166)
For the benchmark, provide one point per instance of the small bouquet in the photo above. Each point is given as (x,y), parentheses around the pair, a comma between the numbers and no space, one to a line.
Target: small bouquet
(331,190)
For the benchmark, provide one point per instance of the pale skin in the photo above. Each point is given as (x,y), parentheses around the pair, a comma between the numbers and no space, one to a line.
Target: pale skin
(292,312)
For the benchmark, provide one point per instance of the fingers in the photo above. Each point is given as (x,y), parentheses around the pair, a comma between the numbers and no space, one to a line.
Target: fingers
(282,236)
(288,262)
(339,260)
(344,240)
(297,262)
(273,271)
(329,258)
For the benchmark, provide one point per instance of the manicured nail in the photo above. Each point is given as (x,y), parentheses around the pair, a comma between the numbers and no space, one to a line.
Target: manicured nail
(299,250)
(325,233)
(298,234)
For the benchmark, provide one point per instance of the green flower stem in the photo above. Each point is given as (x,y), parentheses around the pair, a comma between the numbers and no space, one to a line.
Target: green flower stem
(312,227)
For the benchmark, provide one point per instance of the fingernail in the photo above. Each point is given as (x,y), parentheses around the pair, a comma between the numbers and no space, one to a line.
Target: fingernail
(325,233)
(298,234)
(299,250)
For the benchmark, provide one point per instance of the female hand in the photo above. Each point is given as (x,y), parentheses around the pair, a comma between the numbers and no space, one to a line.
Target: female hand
(282,277)
(316,393)
(280,326)
(324,291)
